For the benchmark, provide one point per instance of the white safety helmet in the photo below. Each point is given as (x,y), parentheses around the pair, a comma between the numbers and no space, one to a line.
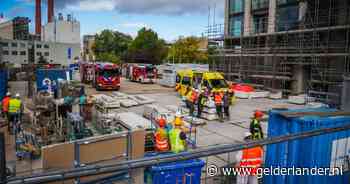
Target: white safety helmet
(8,94)
(247,134)
(18,95)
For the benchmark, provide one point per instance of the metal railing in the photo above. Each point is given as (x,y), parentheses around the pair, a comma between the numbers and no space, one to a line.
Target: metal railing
(128,165)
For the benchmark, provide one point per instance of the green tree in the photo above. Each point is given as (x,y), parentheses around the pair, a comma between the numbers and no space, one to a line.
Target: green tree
(111,45)
(188,50)
(147,47)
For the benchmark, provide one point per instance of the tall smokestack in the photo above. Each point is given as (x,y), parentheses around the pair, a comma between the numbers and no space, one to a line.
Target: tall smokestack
(38,17)
(50,10)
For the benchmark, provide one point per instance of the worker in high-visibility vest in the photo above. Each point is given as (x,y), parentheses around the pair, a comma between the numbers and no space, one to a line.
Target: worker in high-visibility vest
(255,126)
(251,159)
(5,108)
(218,103)
(5,104)
(15,112)
(161,137)
(202,98)
(192,99)
(177,137)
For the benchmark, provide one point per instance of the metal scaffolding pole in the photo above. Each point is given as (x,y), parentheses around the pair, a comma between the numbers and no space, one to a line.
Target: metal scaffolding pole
(150,161)
(2,158)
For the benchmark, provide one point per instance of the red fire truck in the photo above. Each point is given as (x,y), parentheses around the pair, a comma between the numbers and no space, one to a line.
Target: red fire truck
(106,76)
(143,73)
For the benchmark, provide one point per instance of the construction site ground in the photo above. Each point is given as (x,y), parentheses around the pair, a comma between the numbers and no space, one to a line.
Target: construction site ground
(212,133)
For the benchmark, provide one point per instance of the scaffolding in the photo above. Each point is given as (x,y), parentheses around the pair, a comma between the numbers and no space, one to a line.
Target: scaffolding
(309,55)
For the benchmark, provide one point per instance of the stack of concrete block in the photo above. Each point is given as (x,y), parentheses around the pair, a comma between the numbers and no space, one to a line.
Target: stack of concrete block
(128,103)
(209,111)
(249,95)
(154,111)
(119,95)
(276,95)
(194,121)
(260,94)
(141,99)
(108,101)
(133,121)
(299,100)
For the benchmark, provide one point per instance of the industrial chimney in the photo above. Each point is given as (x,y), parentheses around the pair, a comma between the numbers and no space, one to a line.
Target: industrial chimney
(38,17)
(50,10)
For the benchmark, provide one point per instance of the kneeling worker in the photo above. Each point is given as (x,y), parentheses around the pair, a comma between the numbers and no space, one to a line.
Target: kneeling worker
(177,137)
(161,137)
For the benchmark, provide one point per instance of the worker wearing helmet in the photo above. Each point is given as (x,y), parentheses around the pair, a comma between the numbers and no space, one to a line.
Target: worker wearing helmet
(177,137)
(202,98)
(192,97)
(255,126)
(161,137)
(249,158)
(15,111)
(218,103)
(5,107)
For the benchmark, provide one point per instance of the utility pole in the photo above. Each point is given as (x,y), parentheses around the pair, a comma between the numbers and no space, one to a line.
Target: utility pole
(2,158)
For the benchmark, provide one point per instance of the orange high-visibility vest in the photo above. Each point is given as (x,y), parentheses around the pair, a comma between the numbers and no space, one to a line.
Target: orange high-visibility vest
(252,158)
(218,99)
(194,96)
(161,144)
(5,104)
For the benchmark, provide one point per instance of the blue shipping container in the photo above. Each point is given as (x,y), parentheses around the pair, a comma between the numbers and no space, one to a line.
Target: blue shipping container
(325,151)
(3,83)
(52,74)
(184,172)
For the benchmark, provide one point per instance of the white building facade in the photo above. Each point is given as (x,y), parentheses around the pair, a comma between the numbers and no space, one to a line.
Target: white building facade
(18,52)
(61,31)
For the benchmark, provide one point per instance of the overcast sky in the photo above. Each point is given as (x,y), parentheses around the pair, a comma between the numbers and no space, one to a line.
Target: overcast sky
(170,18)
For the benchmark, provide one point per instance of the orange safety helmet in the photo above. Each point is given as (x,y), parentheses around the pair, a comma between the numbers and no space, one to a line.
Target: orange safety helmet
(161,122)
(258,114)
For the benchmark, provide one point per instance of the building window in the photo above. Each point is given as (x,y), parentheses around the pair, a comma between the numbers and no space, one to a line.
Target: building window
(4,44)
(236,6)
(38,54)
(14,53)
(23,45)
(23,53)
(287,18)
(47,54)
(38,46)
(236,25)
(282,2)
(46,46)
(260,4)
(5,52)
(260,24)
(14,44)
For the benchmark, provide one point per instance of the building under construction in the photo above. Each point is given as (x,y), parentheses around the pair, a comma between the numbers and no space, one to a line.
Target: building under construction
(297,46)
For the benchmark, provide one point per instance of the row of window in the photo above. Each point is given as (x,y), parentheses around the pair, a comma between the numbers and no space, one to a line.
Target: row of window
(23,53)
(14,53)
(23,45)
(237,6)
(287,18)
